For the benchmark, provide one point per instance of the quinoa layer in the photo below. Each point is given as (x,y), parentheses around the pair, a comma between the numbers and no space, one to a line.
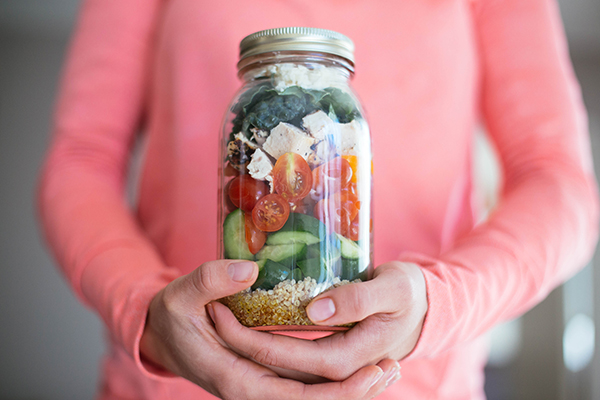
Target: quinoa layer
(285,304)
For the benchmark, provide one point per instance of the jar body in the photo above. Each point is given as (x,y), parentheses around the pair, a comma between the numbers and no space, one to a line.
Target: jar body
(295,188)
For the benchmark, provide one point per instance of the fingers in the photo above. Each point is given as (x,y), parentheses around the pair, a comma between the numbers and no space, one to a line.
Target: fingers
(366,383)
(390,291)
(333,359)
(216,279)
(272,350)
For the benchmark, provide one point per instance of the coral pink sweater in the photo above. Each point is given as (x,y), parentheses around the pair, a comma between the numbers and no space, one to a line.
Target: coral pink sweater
(426,71)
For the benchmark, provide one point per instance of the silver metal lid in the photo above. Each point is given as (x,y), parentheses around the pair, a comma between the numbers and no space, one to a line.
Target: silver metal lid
(297,39)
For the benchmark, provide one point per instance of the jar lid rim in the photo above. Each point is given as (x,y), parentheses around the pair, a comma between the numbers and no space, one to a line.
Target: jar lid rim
(297,39)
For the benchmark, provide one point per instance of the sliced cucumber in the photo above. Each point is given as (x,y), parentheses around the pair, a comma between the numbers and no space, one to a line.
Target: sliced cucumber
(288,237)
(297,274)
(328,250)
(350,249)
(261,264)
(315,268)
(283,252)
(271,274)
(297,222)
(234,237)
(355,269)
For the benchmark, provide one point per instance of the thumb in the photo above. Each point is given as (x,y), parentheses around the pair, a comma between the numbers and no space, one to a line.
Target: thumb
(220,278)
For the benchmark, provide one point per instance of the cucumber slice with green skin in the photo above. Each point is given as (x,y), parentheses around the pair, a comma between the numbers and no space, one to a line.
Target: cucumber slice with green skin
(283,252)
(315,268)
(355,269)
(288,237)
(297,222)
(350,249)
(271,274)
(325,250)
(261,264)
(234,237)
(297,274)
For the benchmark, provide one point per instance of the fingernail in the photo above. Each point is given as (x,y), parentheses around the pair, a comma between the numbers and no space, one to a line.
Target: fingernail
(211,311)
(321,310)
(393,379)
(241,272)
(393,375)
(376,378)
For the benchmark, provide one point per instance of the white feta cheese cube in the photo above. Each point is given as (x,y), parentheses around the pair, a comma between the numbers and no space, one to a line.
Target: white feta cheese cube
(286,138)
(319,125)
(261,166)
(350,135)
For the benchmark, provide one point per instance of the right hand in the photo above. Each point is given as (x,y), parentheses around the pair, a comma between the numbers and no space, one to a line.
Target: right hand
(180,337)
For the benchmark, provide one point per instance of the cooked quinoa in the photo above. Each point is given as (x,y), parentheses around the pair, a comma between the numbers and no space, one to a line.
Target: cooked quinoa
(285,304)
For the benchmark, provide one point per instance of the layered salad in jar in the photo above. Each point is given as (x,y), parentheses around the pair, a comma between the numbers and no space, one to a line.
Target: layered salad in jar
(296,191)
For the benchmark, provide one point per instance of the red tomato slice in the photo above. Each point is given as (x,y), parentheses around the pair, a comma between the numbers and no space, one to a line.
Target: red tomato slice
(332,176)
(336,213)
(254,237)
(299,206)
(292,177)
(227,199)
(270,213)
(245,191)
(353,162)
(230,170)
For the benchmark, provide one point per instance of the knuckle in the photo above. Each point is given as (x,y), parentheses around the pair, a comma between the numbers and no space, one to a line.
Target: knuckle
(265,356)
(204,280)
(358,300)
(170,299)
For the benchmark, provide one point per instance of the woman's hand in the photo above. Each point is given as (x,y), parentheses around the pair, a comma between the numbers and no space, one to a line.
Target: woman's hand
(391,308)
(180,337)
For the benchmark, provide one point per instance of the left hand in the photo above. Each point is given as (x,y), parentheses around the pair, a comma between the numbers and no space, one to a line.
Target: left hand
(391,309)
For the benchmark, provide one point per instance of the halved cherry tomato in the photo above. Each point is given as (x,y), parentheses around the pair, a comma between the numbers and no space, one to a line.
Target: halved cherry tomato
(230,170)
(336,212)
(292,177)
(332,176)
(350,193)
(245,191)
(254,237)
(270,213)
(299,206)
(353,162)
(227,200)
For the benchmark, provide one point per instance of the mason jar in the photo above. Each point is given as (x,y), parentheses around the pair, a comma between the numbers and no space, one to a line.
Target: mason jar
(295,191)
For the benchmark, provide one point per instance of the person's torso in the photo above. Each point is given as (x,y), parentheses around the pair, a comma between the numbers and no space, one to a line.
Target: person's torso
(416,75)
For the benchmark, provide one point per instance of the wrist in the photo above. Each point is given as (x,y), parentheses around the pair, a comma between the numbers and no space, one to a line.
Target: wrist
(152,349)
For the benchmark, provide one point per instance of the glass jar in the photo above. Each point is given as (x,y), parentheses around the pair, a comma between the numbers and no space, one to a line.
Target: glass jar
(296,177)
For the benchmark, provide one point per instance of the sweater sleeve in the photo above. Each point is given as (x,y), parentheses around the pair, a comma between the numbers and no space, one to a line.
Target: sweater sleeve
(105,256)
(545,226)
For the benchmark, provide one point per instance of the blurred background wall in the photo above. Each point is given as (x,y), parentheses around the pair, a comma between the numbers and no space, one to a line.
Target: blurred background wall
(50,346)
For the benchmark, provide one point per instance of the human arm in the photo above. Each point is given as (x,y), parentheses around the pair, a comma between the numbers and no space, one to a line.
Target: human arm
(545,226)
(107,259)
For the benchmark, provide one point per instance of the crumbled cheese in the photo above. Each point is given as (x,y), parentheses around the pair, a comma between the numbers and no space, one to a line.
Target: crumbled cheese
(260,167)
(259,136)
(350,135)
(286,75)
(319,125)
(240,136)
(286,138)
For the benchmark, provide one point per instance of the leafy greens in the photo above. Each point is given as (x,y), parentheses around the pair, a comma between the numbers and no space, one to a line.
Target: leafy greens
(263,107)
